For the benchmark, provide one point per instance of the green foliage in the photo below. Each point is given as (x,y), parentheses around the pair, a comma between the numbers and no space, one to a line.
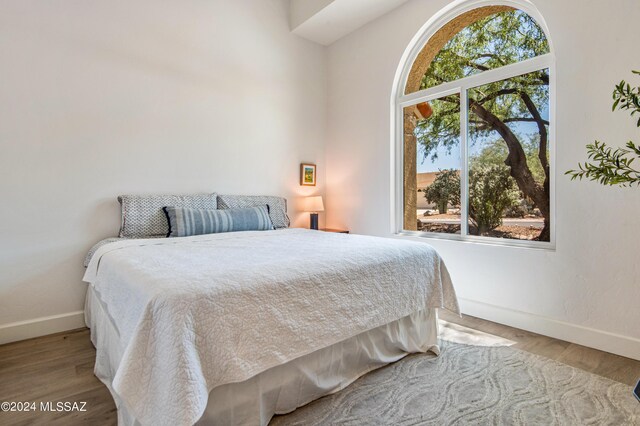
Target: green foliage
(495,152)
(505,100)
(614,166)
(491,192)
(497,111)
(609,167)
(625,97)
(497,40)
(444,190)
(441,129)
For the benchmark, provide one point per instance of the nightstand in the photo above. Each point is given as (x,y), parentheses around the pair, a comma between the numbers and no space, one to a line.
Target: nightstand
(337,231)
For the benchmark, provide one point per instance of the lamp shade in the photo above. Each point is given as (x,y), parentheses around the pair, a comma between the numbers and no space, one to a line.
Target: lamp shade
(313,204)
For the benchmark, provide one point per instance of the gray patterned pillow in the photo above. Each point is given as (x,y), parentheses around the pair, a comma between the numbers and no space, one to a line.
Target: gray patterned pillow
(184,222)
(96,246)
(142,215)
(277,206)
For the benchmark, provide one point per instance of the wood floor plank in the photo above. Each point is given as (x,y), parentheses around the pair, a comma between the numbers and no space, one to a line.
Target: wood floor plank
(37,378)
(604,364)
(42,344)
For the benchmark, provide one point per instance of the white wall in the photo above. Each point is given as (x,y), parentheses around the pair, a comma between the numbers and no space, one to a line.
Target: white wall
(588,289)
(111,97)
(301,10)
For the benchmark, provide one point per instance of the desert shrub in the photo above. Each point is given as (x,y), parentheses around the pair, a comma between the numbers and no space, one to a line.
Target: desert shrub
(444,190)
(491,192)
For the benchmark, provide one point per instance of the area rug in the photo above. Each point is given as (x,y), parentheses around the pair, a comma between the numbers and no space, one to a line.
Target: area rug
(471,384)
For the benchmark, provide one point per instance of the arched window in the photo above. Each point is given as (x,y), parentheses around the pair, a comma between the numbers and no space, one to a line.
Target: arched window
(473,125)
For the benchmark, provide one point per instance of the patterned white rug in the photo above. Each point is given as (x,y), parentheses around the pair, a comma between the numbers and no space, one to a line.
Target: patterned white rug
(478,379)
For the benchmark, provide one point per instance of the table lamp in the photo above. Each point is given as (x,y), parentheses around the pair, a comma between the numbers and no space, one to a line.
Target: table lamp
(313,205)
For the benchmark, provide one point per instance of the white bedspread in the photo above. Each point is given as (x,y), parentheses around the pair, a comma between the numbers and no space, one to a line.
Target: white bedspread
(199,312)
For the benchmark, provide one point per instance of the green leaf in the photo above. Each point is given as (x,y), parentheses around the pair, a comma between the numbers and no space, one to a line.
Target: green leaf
(615,104)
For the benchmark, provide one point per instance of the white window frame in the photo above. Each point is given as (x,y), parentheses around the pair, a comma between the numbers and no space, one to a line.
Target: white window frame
(399,101)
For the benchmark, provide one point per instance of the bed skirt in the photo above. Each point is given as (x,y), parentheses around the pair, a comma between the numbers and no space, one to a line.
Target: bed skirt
(281,389)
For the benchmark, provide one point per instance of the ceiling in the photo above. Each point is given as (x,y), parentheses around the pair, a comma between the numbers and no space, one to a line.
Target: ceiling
(325,21)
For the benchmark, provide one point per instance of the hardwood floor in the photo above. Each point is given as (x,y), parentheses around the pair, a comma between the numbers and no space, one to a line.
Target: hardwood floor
(54,368)
(59,368)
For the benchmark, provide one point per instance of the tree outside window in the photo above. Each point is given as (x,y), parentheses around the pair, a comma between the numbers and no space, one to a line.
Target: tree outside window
(487,125)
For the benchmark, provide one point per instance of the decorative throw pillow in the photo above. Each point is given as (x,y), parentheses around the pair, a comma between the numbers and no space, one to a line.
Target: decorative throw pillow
(277,206)
(142,215)
(184,222)
(96,246)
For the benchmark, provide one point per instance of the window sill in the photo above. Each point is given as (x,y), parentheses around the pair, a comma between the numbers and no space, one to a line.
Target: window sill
(474,239)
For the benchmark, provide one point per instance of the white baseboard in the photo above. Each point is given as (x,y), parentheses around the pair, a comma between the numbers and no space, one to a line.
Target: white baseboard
(593,338)
(41,326)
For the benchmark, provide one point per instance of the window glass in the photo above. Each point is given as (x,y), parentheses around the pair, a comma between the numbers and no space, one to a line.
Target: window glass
(495,41)
(508,148)
(476,144)
(433,128)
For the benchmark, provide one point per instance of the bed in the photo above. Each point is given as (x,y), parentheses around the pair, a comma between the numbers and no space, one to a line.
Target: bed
(235,327)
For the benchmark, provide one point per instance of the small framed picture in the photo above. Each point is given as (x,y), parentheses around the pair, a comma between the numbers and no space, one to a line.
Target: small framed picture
(307,174)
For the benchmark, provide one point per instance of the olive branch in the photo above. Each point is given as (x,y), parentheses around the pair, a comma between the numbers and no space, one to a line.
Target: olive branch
(614,166)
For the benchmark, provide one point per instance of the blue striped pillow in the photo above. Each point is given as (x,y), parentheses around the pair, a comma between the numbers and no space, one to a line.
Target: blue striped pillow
(184,222)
